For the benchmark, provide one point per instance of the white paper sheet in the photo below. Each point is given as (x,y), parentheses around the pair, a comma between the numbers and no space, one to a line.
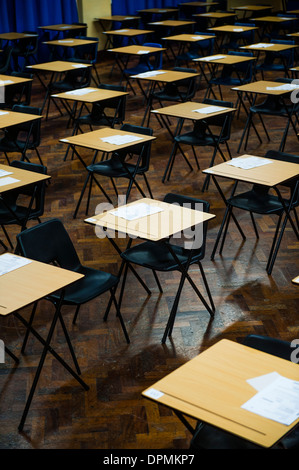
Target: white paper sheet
(198,37)
(153,393)
(209,109)
(285,86)
(10,262)
(249,162)
(136,211)
(5,173)
(6,82)
(259,383)
(82,91)
(261,44)
(79,66)
(120,139)
(152,73)
(143,52)
(7,180)
(65,40)
(213,57)
(279,401)
(3,112)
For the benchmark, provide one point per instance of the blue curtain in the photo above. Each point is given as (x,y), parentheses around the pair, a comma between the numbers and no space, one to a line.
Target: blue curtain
(19,15)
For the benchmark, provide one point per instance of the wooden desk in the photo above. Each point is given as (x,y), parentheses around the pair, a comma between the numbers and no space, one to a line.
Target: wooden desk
(131,34)
(212,17)
(266,88)
(12,118)
(213,386)
(160,76)
(61,27)
(189,110)
(271,175)
(6,80)
(153,228)
(255,9)
(184,40)
(12,36)
(214,62)
(68,43)
(269,22)
(55,68)
(26,285)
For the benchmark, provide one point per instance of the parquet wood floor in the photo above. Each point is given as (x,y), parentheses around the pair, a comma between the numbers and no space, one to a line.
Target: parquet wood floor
(112,414)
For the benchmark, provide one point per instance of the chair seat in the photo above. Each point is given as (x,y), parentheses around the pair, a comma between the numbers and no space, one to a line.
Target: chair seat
(209,437)
(229,81)
(166,97)
(257,203)
(140,68)
(92,285)
(113,168)
(10,146)
(155,256)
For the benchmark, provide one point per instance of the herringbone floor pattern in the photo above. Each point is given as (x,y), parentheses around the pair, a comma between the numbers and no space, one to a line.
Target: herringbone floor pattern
(112,414)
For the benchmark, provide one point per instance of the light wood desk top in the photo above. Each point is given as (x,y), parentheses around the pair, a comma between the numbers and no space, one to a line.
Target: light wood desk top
(117,18)
(224,59)
(93,139)
(264,87)
(273,19)
(13,36)
(295,280)
(187,110)
(270,47)
(128,32)
(172,23)
(272,174)
(158,10)
(188,37)
(61,27)
(231,28)
(136,50)
(198,4)
(166,76)
(57,66)
(6,80)
(70,42)
(172,219)
(22,177)
(253,7)
(215,15)
(11,118)
(90,94)
(30,283)
(213,386)
(293,12)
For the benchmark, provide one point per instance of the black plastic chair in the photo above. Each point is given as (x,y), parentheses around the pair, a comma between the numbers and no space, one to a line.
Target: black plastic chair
(121,166)
(197,50)
(18,206)
(233,75)
(26,49)
(243,38)
(167,257)
(260,200)
(23,137)
(212,132)
(50,243)
(19,93)
(88,54)
(277,61)
(207,436)
(180,91)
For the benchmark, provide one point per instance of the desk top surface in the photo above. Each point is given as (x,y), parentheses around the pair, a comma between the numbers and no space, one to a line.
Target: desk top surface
(253,7)
(61,27)
(157,10)
(128,32)
(295,280)
(189,37)
(31,282)
(167,76)
(231,28)
(192,110)
(170,220)
(57,66)
(11,118)
(93,139)
(266,87)
(172,23)
(70,42)
(12,36)
(215,14)
(224,59)
(20,178)
(269,47)
(273,19)
(271,174)
(6,80)
(117,18)
(90,94)
(213,386)
(135,49)
(198,4)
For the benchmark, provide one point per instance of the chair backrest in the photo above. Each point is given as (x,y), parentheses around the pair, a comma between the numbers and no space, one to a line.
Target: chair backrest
(78,78)
(187,87)
(38,189)
(222,121)
(50,243)
(291,158)
(98,112)
(158,56)
(20,132)
(19,93)
(288,55)
(244,70)
(199,234)
(88,52)
(140,149)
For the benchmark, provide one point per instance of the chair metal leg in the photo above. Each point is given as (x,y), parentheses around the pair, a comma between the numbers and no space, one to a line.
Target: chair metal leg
(157,281)
(11,354)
